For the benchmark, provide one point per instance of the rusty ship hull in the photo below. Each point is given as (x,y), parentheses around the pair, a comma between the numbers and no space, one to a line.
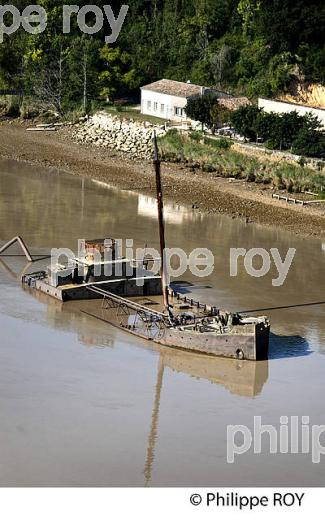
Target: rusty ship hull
(251,345)
(194,327)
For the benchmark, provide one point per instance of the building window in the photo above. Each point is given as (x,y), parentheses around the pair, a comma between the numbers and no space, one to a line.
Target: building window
(179,112)
(162,108)
(149,105)
(155,107)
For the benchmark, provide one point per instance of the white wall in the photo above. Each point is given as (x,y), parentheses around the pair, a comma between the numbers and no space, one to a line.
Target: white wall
(280,107)
(169,103)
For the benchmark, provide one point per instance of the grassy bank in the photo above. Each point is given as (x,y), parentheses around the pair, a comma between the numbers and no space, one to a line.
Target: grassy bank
(217,156)
(132,112)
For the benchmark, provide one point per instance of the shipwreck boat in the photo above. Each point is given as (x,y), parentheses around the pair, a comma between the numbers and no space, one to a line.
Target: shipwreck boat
(99,266)
(180,322)
(189,324)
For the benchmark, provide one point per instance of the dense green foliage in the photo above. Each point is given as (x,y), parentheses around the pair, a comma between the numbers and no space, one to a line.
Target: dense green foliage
(244,121)
(207,110)
(302,134)
(256,47)
(202,109)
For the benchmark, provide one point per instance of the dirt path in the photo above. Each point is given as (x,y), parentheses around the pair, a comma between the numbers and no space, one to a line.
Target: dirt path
(203,191)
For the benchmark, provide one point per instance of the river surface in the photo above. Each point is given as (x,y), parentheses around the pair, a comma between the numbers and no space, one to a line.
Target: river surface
(84,404)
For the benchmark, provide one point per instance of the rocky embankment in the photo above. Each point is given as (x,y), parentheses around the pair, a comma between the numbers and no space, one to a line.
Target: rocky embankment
(124,135)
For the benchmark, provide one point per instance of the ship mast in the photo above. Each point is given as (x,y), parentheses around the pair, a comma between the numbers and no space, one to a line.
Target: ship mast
(161,225)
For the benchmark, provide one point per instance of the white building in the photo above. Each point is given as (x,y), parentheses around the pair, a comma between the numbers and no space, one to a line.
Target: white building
(167,99)
(282,107)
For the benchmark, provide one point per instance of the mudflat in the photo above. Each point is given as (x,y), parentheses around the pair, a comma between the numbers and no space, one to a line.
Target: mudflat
(205,192)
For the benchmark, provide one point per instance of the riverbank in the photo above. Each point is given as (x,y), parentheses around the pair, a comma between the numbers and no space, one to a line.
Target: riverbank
(202,190)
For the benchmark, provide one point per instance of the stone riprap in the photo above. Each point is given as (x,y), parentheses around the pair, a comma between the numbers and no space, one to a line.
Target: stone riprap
(123,135)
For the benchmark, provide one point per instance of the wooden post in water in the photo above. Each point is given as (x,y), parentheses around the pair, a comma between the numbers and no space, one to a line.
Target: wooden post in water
(161,225)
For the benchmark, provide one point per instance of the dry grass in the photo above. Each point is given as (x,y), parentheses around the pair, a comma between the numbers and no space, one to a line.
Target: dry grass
(208,156)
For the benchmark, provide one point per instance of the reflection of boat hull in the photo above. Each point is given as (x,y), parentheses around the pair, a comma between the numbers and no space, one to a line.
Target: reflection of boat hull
(239,377)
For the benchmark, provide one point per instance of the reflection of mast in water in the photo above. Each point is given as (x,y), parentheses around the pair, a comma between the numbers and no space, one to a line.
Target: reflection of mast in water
(244,378)
(154,424)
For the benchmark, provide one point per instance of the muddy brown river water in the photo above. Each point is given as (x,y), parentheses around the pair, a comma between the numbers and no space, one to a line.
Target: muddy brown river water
(84,404)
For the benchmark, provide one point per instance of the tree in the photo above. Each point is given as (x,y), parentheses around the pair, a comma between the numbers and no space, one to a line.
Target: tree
(244,120)
(201,109)
(248,9)
(118,77)
(83,64)
(304,134)
(221,63)
(309,143)
(45,73)
(251,47)
(220,114)
(279,130)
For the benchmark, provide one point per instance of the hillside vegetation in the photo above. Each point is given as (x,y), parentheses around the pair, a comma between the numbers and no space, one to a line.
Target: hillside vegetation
(252,47)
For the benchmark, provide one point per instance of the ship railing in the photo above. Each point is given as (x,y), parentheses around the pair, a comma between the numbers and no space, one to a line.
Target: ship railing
(211,310)
(128,303)
(31,278)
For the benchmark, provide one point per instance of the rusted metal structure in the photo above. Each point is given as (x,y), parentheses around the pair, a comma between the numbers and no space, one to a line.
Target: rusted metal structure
(26,252)
(190,325)
(22,244)
(180,323)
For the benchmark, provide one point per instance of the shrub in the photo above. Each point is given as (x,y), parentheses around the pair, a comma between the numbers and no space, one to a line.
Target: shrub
(196,136)
(29,109)
(244,121)
(281,131)
(10,106)
(74,115)
(219,144)
(201,109)
(318,181)
(177,147)
(271,144)
(309,142)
